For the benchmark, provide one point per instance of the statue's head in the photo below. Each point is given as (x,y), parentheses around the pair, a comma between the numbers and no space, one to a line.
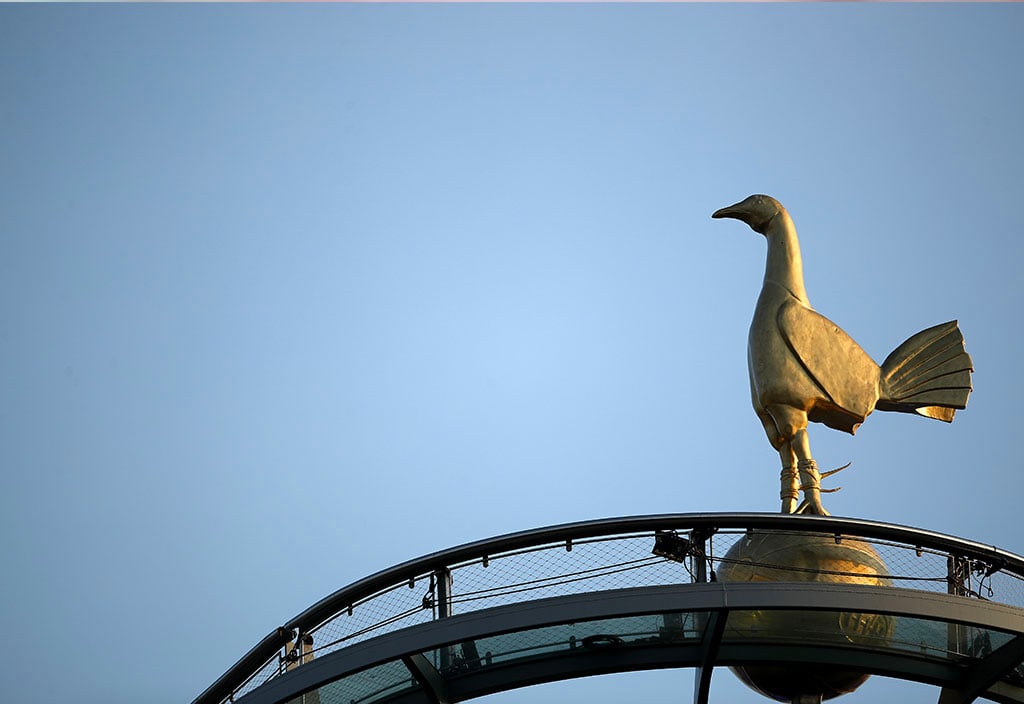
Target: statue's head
(756,210)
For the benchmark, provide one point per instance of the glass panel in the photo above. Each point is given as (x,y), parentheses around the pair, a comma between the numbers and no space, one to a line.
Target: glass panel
(612,632)
(946,640)
(1016,675)
(364,687)
(935,639)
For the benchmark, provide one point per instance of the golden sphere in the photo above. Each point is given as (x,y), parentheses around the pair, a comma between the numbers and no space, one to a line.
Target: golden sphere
(802,557)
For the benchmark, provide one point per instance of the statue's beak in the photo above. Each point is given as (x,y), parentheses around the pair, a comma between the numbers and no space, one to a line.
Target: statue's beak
(731,211)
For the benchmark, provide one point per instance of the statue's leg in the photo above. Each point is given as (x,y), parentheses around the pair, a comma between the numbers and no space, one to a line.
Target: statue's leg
(788,478)
(791,424)
(810,478)
(789,482)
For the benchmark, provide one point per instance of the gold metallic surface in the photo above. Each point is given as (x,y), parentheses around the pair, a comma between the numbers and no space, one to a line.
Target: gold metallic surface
(777,683)
(797,557)
(803,367)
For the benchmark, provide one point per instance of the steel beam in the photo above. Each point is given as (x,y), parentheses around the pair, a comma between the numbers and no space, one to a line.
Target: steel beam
(713,630)
(429,678)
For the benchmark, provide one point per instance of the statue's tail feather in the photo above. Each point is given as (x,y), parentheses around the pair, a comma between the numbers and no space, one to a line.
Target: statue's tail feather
(929,374)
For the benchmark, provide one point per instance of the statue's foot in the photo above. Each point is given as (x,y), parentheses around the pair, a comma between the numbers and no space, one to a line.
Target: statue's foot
(808,508)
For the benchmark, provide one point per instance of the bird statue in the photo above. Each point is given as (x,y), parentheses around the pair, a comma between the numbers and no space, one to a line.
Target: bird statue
(803,367)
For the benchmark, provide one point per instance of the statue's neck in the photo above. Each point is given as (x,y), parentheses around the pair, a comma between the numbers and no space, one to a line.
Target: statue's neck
(784,266)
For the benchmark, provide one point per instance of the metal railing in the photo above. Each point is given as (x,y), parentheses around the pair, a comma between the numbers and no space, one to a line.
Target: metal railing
(591,556)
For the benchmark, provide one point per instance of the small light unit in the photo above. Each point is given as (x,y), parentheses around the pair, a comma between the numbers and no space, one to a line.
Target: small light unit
(669,544)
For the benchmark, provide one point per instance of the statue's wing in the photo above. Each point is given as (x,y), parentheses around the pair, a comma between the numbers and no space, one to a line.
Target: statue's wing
(845,372)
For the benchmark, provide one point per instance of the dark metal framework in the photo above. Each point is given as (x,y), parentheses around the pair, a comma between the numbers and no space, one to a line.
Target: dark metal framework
(441,662)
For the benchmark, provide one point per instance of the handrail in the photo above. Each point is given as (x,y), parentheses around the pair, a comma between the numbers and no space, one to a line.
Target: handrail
(345,597)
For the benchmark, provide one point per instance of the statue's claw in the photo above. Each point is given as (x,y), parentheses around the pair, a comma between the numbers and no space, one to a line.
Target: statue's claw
(830,472)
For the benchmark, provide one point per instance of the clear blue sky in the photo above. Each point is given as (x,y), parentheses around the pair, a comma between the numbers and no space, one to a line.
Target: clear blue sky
(290,294)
